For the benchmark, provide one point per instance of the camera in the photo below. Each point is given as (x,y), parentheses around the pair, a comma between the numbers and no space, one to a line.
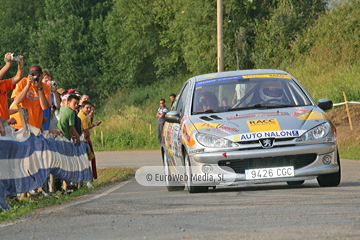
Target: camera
(14,58)
(53,83)
(35,78)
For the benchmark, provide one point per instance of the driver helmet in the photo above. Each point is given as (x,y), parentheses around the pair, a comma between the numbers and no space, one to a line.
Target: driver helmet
(271,90)
(208,100)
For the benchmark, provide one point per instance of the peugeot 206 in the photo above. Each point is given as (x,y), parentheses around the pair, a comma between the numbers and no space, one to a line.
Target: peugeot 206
(248,126)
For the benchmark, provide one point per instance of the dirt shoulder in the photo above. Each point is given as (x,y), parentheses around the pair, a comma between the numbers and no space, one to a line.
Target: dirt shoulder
(346,137)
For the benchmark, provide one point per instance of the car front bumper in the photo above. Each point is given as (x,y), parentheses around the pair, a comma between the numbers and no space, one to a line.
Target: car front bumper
(311,169)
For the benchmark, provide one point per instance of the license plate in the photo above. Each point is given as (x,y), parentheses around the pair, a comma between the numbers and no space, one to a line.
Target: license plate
(264,173)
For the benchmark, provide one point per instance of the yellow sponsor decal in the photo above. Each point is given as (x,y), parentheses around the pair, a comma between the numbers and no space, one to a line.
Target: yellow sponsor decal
(262,125)
(267,76)
(202,125)
(210,75)
(312,116)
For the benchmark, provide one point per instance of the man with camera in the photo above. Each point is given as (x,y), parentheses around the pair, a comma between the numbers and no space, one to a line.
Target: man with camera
(48,113)
(31,94)
(8,85)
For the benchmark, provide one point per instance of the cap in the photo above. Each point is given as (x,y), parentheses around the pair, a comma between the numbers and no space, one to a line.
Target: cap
(73,92)
(35,69)
(61,91)
(65,97)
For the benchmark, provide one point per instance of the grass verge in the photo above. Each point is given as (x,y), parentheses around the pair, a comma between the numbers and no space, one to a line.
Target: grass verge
(22,207)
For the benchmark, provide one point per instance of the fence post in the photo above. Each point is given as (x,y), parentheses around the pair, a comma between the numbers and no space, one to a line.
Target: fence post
(102,138)
(347,111)
(150,130)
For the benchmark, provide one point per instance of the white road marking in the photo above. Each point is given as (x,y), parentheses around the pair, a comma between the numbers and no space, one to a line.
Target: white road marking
(57,208)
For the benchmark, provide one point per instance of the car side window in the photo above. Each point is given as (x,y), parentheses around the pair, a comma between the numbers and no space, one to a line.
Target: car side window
(181,103)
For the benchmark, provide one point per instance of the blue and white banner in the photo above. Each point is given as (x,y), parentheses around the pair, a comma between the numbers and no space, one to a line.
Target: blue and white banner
(26,160)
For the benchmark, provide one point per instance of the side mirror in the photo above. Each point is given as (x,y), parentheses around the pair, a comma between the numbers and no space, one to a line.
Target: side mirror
(172,117)
(325,104)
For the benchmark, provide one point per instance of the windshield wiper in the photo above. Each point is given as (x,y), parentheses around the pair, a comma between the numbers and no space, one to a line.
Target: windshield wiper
(259,106)
(245,108)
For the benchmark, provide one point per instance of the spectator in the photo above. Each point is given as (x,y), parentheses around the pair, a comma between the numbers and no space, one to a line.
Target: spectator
(30,93)
(172,98)
(86,126)
(8,85)
(67,119)
(240,91)
(161,112)
(7,66)
(55,99)
(68,124)
(83,98)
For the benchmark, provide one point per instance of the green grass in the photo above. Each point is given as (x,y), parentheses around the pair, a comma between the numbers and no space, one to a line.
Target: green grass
(28,205)
(128,117)
(349,152)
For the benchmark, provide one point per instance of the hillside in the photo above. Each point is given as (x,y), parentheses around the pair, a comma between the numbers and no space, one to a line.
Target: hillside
(348,140)
(323,57)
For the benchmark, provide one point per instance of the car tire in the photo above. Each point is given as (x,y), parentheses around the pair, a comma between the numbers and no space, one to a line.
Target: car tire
(331,179)
(295,183)
(191,188)
(170,186)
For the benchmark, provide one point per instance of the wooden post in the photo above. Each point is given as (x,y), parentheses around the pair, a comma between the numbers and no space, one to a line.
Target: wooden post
(102,138)
(347,111)
(150,129)
(94,131)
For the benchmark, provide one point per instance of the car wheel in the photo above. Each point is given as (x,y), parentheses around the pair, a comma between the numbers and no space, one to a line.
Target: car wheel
(331,179)
(170,185)
(191,188)
(295,183)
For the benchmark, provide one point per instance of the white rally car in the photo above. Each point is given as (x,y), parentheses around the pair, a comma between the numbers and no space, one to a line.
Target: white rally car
(249,126)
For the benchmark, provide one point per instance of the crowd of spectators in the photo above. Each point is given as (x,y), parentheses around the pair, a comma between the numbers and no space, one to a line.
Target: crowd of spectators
(38,104)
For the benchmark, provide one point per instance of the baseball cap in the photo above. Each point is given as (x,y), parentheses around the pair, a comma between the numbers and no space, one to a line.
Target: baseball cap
(73,92)
(35,69)
(65,97)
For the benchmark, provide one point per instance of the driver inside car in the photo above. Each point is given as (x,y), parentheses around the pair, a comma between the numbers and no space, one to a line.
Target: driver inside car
(271,92)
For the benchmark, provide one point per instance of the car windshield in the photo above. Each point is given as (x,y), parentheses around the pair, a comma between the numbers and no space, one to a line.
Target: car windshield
(247,92)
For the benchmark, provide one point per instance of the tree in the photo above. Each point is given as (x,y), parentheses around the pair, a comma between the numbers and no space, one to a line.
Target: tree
(68,46)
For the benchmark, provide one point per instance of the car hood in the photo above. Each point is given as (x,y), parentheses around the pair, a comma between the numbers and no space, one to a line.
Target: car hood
(245,125)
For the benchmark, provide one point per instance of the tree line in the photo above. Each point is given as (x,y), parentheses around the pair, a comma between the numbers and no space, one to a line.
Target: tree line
(102,46)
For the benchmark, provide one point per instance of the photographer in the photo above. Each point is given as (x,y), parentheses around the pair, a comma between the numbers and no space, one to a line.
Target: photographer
(48,113)
(30,93)
(8,85)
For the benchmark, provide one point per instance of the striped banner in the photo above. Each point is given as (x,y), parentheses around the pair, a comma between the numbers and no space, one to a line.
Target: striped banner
(26,160)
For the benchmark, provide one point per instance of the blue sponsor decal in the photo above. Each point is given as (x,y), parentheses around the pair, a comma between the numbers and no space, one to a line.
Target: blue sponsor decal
(273,134)
(217,80)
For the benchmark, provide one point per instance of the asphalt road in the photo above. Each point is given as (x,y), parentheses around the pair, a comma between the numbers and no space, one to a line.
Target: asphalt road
(130,211)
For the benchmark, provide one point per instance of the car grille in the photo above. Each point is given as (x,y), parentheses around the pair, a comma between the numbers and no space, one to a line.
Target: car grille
(298,161)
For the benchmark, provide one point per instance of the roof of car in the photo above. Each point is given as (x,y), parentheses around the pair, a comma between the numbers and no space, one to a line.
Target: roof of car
(237,73)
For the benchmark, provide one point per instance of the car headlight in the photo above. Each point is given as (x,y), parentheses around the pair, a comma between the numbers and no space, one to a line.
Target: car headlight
(214,141)
(318,132)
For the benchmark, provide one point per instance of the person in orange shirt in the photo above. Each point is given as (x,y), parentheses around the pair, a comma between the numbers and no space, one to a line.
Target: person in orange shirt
(31,94)
(8,85)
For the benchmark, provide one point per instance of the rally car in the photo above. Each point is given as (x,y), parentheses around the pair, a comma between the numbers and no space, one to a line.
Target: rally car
(248,126)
